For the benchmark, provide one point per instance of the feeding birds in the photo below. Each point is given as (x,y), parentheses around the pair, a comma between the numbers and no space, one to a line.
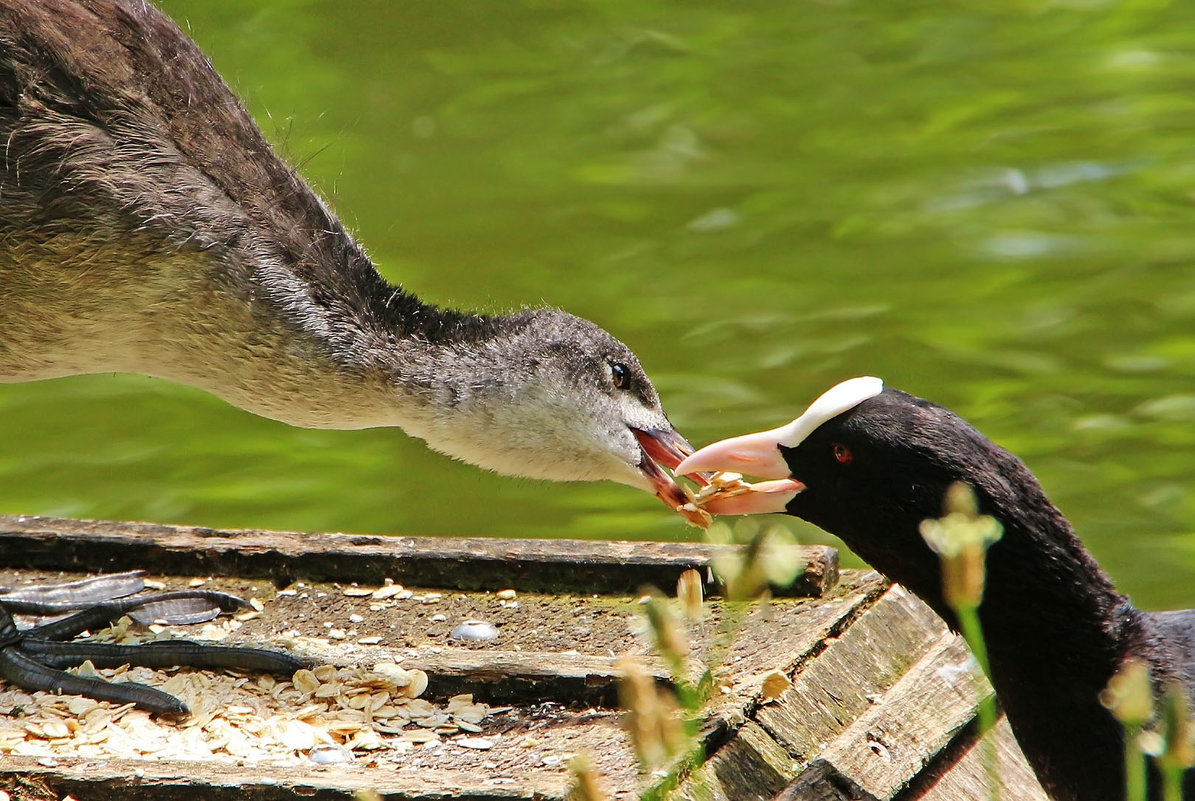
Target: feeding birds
(869,463)
(146,226)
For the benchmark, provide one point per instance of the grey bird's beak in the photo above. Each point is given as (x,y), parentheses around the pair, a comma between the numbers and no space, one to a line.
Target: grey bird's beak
(663,447)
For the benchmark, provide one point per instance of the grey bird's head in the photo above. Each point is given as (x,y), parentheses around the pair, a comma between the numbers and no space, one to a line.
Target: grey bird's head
(552,396)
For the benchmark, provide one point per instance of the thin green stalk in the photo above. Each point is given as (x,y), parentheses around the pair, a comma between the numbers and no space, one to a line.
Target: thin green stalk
(662,788)
(961,538)
(1129,697)
(1134,764)
(973,633)
(1178,750)
(1172,784)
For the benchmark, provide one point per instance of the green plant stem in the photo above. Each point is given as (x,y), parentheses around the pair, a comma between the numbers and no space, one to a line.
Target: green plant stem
(1134,764)
(1172,784)
(681,768)
(973,633)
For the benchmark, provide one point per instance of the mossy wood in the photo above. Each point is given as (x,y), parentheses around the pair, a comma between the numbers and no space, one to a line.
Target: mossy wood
(461,563)
(881,702)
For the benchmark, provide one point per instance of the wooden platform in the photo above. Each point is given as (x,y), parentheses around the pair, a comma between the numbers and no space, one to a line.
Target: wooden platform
(880,706)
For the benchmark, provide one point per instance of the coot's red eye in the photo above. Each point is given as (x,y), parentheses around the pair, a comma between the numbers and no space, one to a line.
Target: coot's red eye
(842,454)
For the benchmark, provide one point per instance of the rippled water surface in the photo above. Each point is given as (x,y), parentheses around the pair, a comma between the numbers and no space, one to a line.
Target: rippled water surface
(992,206)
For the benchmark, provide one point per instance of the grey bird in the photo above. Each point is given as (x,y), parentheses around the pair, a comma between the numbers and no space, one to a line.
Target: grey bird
(146,226)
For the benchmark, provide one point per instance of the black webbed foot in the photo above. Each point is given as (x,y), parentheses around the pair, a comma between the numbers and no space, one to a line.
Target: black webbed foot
(25,671)
(32,658)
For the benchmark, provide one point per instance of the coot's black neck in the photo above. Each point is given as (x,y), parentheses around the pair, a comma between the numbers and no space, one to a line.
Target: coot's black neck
(1056,630)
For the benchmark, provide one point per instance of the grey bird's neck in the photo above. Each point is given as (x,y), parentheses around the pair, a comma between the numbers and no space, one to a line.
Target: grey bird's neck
(166,252)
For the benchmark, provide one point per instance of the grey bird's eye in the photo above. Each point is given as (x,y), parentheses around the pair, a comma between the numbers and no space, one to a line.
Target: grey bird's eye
(621,376)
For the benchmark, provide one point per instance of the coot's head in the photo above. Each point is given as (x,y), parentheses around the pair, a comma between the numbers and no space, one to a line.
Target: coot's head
(873,463)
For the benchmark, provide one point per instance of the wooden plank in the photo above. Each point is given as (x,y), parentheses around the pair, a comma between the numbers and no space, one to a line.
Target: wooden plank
(852,672)
(760,650)
(962,772)
(821,781)
(539,682)
(887,696)
(498,675)
(167,781)
(846,667)
(891,742)
(506,677)
(529,761)
(569,659)
(578,678)
(468,563)
(868,664)
(751,767)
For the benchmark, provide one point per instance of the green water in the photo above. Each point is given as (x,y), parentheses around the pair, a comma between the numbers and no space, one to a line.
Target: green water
(990,205)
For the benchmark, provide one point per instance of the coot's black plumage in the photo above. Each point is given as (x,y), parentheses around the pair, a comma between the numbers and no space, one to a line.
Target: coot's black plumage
(875,462)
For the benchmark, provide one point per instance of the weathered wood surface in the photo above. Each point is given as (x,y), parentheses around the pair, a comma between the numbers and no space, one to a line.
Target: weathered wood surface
(864,717)
(961,771)
(138,780)
(464,563)
(881,701)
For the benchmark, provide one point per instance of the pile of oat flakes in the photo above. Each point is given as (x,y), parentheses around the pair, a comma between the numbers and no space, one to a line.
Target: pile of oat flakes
(325,715)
